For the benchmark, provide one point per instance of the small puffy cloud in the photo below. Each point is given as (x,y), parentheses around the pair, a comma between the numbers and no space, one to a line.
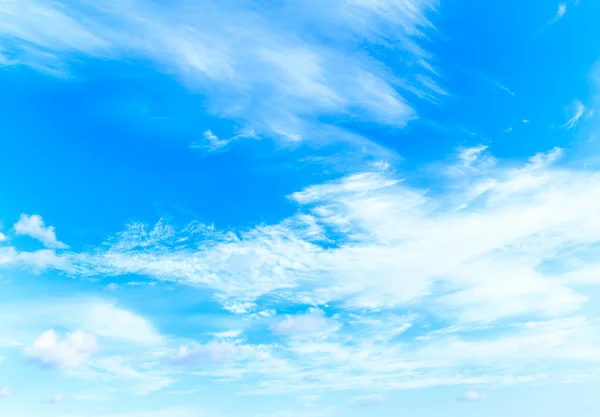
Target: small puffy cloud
(3,237)
(312,323)
(51,351)
(369,400)
(5,392)
(214,353)
(525,121)
(472,396)
(34,226)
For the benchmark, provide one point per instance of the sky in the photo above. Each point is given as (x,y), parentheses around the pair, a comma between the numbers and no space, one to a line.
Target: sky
(299,208)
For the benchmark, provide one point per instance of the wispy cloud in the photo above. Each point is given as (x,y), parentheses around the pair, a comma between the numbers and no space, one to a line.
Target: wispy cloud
(560,13)
(578,112)
(562,9)
(506,89)
(213,142)
(254,63)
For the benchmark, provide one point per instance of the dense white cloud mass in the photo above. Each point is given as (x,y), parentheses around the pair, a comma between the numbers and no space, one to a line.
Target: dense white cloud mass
(337,274)
(486,238)
(373,244)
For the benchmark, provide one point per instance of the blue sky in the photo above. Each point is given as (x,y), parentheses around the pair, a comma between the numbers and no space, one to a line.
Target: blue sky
(299,208)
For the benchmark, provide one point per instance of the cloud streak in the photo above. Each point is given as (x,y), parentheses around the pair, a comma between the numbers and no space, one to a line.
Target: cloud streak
(578,112)
(276,85)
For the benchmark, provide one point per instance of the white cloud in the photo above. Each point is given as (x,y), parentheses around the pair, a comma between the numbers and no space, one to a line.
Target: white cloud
(312,323)
(255,64)
(109,321)
(94,317)
(74,350)
(373,245)
(199,355)
(474,159)
(34,226)
(506,89)
(213,142)
(59,398)
(3,237)
(138,373)
(5,392)
(560,13)
(38,260)
(471,396)
(228,334)
(388,230)
(578,112)
(369,400)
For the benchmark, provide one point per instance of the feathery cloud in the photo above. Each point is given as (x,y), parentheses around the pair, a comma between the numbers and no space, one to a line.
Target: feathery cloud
(578,112)
(255,69)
